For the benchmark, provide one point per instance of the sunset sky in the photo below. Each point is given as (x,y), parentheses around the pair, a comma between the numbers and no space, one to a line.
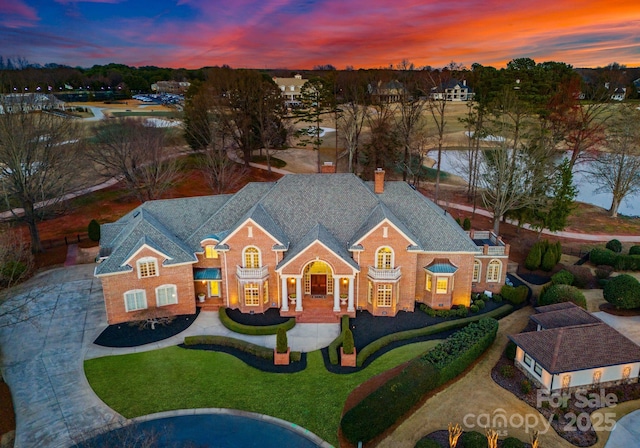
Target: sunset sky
(303,33)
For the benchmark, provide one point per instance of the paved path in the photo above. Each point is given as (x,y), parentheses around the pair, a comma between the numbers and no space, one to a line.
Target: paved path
(43,357)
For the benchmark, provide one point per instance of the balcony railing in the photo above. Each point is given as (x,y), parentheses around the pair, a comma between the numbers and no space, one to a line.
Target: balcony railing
(495,250)
(384,274)
(252,273)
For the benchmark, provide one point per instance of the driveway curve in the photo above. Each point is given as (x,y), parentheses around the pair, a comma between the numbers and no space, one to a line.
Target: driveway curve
(43,359)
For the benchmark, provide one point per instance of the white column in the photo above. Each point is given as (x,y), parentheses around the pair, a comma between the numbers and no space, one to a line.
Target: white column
(350,306)
(298,293)
(283,293)
(336,293)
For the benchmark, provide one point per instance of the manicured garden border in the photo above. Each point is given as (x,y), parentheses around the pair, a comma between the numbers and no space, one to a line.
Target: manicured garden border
(370,349)
(253,329)
(225,341)
(337,342)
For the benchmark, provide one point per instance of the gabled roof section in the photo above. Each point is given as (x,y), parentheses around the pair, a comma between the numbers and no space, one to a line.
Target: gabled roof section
(435,230)
(568,349)
(567,317)
(143,229)
(321,234)
(258,215)
(228,215)
(378,215)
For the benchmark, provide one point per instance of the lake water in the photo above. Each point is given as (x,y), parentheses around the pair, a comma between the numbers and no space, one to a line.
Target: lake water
(630,205)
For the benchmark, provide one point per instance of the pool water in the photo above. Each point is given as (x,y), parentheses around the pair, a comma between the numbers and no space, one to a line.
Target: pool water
(207,431)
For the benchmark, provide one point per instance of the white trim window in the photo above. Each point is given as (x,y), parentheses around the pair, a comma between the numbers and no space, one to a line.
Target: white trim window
(383,296)
(429,282)
(537,369)
(147,267)
(135,300)
(477,271)
(210,251)
(528,360)
(384,258)
(252,294)
(251,257)
(494,270)
(166,295)
(442,285)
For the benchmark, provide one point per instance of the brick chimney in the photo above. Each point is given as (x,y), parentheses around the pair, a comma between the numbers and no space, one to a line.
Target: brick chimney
(328,168)
(378,183)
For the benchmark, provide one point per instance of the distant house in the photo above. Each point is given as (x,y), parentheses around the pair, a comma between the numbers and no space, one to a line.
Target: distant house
(312,246)
(178,87)
(387,92)
(574,349)
(291,89)
(29,102)
(453,90)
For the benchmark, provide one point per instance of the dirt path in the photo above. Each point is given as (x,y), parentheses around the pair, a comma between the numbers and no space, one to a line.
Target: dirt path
(477,394)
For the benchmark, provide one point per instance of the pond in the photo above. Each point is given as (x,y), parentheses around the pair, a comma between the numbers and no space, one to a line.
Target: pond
(219,430)
(452,163)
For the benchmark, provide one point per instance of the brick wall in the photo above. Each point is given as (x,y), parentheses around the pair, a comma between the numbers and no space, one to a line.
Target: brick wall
(461,294)
(114,286)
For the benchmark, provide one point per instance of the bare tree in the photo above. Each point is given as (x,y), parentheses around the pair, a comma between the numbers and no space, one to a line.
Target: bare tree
(16,260)
(135,152)
(616,170)
(39,159)
(270,111)
(317,100)
(409,122)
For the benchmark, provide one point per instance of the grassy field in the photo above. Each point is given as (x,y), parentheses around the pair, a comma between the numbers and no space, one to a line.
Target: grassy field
(175,378)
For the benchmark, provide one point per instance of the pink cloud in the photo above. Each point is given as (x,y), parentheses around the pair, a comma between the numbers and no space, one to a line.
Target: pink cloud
(17,14)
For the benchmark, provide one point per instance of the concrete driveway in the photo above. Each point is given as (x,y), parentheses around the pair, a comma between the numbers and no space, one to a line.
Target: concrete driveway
(43,359)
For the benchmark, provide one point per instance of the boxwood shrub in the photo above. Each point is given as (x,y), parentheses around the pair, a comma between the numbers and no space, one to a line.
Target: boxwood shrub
(253,329)
(337,342)
(562,293)
(562,277)
(248,347)
(514,295)
(627,263)
(474,439)
(387,404)
(427,443)
(614,245)
(622,291)
(603,256)
(634,250)
(512,442)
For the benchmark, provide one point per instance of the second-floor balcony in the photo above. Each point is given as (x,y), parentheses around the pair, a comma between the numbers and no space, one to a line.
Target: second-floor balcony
(252,273)
(384,274)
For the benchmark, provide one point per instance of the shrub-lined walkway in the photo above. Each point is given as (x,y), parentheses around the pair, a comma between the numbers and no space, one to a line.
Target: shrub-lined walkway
(477,393)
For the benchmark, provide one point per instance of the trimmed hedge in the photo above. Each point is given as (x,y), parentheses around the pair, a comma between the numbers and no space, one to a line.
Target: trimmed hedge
(582,276)
(282,342)
(623,292)
(602,256)
(247,347)
(337,342)
(514,295)
(93,229)
(562,277)
(427,443)
(460,311)
(534,258)
(387,404)
(474,439)
(634,250)
(627,263)
(614,245)
(376,345)
(562,293)
(253,329)
(512,442)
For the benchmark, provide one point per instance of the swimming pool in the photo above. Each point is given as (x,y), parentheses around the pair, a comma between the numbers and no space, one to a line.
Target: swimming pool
(219,430)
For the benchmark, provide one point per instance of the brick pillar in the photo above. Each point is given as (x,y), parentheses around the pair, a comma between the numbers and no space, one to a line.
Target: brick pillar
(328,168)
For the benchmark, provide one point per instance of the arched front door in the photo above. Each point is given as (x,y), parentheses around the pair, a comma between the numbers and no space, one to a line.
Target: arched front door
(318,279)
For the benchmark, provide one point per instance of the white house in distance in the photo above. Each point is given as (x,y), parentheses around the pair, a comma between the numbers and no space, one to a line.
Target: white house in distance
(453,90)
(573,349)
(291,89)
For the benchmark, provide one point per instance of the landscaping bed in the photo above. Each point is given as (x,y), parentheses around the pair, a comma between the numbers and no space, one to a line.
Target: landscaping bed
(559,417)
(131,335)
(268,318)
(442,438)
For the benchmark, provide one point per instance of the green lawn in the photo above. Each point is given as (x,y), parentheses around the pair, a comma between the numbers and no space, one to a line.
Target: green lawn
(175,378)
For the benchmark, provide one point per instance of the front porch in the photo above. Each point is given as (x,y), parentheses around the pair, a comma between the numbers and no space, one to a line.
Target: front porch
(316,309)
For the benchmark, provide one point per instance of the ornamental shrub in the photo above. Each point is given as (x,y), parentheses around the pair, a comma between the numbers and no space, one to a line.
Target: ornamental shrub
(94,230)
(634,250)
(512,442)
(582,276)
(514,295)
(623,292)
(602,256)
(533,260)
(466,224)
(458,221)
(11,271)
(510,350)
(525,386)
(627,263)
(548,259)
(614,245)
(474,308)
(558,251)
(562,293)
(562,277)
(474,439)
(480,304)
(603,272)
(253,330)
(282,344)
(337,342)
(347,342)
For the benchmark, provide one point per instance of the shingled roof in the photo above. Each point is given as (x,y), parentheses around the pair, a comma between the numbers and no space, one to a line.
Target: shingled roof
(339,208)
(570,316)
(569,349)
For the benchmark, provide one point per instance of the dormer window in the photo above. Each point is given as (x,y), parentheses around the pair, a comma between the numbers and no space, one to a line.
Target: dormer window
(147,267)
(210,252)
